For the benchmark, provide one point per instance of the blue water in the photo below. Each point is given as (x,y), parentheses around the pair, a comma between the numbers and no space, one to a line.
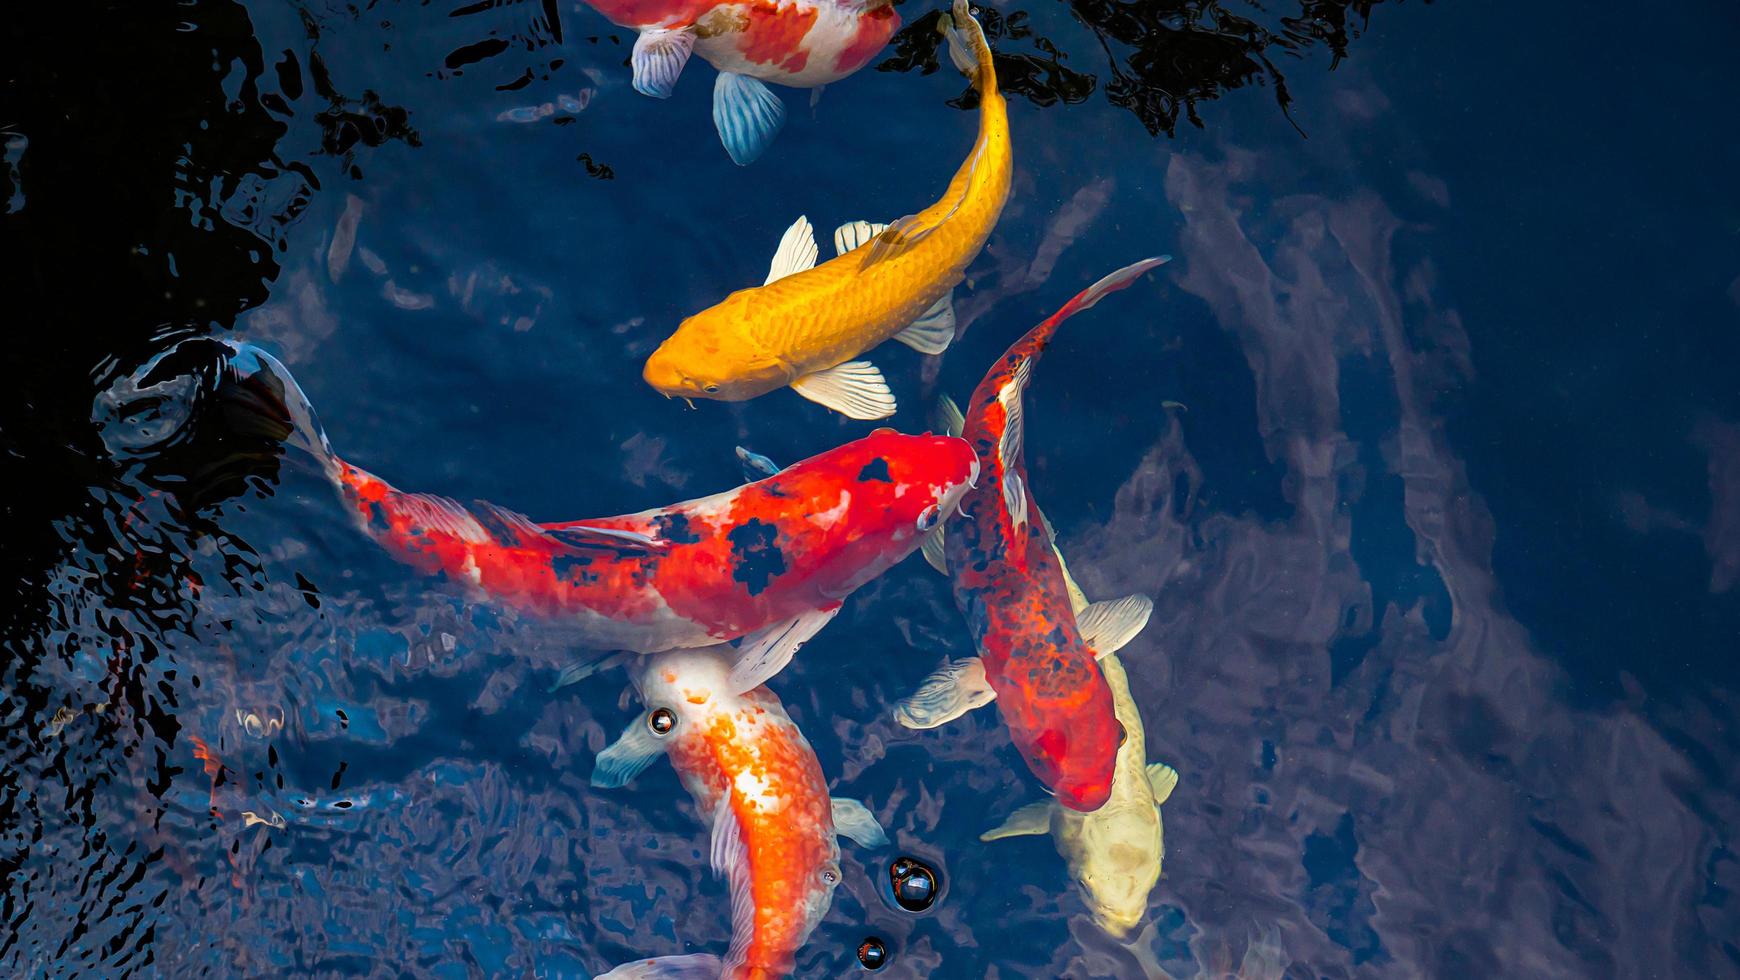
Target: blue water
(1427,446)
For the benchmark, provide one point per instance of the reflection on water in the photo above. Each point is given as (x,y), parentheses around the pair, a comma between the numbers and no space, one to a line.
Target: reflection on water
(239,739)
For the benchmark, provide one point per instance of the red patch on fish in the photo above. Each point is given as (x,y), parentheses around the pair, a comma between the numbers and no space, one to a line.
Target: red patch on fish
(775,34)
(875,27)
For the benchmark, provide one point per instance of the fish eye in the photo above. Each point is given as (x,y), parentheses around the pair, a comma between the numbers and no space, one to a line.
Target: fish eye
(661,721)
(711,389)
(830,876)
(928,519)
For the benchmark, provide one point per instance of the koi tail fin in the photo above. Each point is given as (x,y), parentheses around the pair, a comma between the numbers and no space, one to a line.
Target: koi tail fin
(1039,337)
(200,382)
(968,48)
(268,383)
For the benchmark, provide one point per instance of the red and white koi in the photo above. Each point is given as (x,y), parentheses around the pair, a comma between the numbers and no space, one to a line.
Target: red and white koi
(800,43)
(1037,635)
(753,774)
(768,563)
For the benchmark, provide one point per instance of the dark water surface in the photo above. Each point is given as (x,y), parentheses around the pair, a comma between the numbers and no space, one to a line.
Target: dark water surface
(1427,446)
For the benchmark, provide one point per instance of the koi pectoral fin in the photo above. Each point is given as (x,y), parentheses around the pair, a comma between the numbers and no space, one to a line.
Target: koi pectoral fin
(765,652)
(628,756)
(855,389)
(747,114)
(934,331)
(756,466)
(949,692)
(854,821)
(1162,779)
(934,551)
(1106,626)
(1034,818)
(658,60)
(796,253)
(689,966)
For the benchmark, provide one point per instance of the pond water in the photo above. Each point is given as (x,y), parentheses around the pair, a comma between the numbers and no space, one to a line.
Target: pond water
(1426,446)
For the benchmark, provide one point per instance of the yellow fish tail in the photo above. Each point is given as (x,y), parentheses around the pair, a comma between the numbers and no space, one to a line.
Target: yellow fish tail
(968,48)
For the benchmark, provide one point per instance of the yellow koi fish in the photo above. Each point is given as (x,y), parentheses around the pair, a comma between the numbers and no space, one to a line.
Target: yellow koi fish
(804,326)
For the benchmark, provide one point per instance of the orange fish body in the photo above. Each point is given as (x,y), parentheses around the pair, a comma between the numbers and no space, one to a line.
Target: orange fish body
(697,572)
(806,324)
(1037,638)
(754,775)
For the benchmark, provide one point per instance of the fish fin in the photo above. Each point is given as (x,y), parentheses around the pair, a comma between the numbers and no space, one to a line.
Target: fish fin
(689,966)
(729,856)
(1015,499)
(964,40)
(1009,446)
(907,232)
(579,670)
(797,251)
(756,466)
(658,59)
(765,652)
(934,331)
(747,114)
(585,536)
(934,551)
(948,418)
(429,512)
(1032,819)
(628,756)
(855,233)
(950,691)
(1077,599)
(854,821)
(1163,779)
(1106,626)
(855,389)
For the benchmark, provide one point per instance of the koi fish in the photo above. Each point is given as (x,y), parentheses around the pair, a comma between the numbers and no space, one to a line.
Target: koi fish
(767,564)
(774,826)
(1114,854)
(800,43)
(803,327)
(1037,636)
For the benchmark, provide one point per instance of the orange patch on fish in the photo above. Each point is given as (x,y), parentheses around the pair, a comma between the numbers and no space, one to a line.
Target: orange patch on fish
(774,35)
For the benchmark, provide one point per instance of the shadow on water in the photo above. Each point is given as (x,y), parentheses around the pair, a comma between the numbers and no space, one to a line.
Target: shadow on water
(238,740)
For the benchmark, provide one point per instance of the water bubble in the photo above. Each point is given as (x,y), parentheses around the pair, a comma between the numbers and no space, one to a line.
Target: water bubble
(872,954)
(915,884)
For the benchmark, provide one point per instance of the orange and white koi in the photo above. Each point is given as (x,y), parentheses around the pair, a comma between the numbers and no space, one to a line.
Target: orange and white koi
(805,325)
(753,774)
(1037,635)
(800,43)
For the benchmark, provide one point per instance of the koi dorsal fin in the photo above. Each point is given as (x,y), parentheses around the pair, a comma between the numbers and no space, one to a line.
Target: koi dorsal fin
(587,537)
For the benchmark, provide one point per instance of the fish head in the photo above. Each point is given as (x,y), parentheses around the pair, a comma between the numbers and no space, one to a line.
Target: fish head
(1070,740)
(709,356)
(1115,871)
(880,495)
(680,688)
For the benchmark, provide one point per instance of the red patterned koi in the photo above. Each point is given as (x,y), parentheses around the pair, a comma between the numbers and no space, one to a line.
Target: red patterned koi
(777,555)
(1037,637)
